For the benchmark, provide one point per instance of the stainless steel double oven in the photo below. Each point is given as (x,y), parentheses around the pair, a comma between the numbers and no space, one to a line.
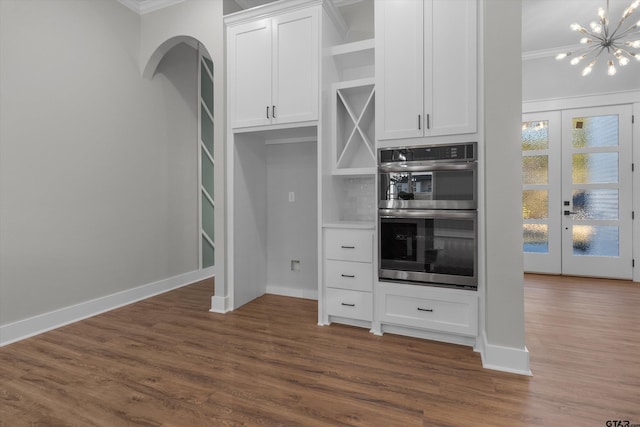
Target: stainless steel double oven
(428,215)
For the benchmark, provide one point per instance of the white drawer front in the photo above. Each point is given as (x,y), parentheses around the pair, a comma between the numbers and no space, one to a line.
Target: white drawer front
(357,276)
(349,304)
(349,245)
(457,315)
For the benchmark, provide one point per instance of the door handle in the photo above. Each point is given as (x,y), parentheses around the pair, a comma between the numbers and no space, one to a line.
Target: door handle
(570,213)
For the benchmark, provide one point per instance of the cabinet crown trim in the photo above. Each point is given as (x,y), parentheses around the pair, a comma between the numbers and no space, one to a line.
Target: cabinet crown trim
(268,10)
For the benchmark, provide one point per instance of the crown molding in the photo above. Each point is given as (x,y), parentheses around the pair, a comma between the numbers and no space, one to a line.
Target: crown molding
(142,7)
(551,52)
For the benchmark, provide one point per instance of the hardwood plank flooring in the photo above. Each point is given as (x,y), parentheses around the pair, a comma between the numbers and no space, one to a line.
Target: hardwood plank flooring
(167,361)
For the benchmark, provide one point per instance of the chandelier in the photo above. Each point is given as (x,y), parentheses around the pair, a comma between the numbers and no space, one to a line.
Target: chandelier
(603,38)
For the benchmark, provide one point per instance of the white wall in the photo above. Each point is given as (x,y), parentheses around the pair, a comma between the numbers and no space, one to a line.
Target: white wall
(197,22)
(546,78)
(292,227)
(504,305)
(92,157)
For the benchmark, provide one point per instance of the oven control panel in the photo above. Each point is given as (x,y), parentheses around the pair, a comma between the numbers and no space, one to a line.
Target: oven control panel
(458,152)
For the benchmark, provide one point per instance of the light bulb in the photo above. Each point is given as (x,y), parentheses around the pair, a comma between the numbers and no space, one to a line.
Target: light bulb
(634,44)
(623,60)
(585,40)
(601,13)
(612,68)
(577,59)
(588,68)
(578,27)
(595,27)
(561,56)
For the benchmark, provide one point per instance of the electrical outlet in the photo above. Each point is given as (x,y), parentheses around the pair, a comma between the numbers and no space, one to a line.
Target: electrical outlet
(295,265)
(292,196)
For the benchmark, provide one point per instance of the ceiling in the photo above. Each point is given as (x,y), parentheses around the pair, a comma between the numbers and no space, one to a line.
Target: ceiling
(545,23)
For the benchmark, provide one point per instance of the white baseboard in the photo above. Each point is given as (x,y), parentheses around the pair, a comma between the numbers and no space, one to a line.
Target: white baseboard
(292,292)
(506,359)
(220,304)
(35,325)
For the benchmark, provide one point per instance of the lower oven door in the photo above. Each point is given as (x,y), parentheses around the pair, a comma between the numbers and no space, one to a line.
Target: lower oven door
(436,247)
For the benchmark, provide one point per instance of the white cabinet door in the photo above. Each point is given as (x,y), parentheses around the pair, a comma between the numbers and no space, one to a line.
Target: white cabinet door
(399,69)
(295,67)
(451,67)
(426,68)
(249,47)
(274,69)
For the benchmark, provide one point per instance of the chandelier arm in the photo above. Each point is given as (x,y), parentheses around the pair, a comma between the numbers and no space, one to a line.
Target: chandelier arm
(628,32)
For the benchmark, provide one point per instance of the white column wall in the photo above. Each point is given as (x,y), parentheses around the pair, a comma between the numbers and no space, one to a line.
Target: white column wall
(504,344)
(200,21)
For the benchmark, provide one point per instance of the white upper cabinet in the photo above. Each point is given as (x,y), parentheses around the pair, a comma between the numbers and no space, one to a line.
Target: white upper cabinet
(426,68)
(273,69)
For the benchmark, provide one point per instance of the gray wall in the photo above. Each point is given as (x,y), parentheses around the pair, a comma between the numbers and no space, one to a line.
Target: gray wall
(96,173)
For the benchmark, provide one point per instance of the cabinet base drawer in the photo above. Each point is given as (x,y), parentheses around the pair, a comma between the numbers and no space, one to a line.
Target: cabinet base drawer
(349,304)
(349,245)
(444,313)
(357,276)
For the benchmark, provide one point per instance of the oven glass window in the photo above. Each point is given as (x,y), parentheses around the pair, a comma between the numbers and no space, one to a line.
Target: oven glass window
(427,245)
(434,185)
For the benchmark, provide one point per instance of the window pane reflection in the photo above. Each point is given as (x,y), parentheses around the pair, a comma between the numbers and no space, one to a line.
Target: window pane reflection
(596,204)
(536,238)
(595,168)
(595,240)
(535,169)
(599,131)
(535,135)
(535,204)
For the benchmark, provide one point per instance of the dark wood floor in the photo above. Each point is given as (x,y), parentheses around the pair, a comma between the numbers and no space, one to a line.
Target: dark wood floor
(168,361)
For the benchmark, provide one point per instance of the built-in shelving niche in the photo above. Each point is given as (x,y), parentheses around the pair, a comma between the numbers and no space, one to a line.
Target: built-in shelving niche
(354,148)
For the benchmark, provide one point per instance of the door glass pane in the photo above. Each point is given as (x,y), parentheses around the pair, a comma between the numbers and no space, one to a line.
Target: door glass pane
(535,204)
(595,240)
(595,168)
(207,217)
(535,135)
(535,169)
(596,204)
(536,238)
(206,130)
(208,254)
(599,131)
(206,87)
(207,173)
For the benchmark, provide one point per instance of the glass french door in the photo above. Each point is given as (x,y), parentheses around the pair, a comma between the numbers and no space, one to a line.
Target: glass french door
(577,196)
(596,192)
(541,150)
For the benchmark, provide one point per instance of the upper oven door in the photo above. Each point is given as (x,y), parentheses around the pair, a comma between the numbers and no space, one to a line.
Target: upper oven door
(428,185)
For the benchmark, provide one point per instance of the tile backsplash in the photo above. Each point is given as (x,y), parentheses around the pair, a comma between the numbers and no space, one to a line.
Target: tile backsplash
(359,203)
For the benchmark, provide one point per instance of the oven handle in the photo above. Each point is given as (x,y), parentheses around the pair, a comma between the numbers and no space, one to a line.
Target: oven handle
(413,213)
(426,167)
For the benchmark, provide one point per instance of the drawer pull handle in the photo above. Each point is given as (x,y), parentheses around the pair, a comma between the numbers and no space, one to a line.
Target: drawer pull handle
(430,310)
(348,305)
(350,276)
(347,247)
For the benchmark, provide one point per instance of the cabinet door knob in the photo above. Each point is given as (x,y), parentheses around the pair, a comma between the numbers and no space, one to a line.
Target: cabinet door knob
(429,310)
(267,111)
(419,122)
(273,111)
(351,276)
(348,304)
(347,247)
